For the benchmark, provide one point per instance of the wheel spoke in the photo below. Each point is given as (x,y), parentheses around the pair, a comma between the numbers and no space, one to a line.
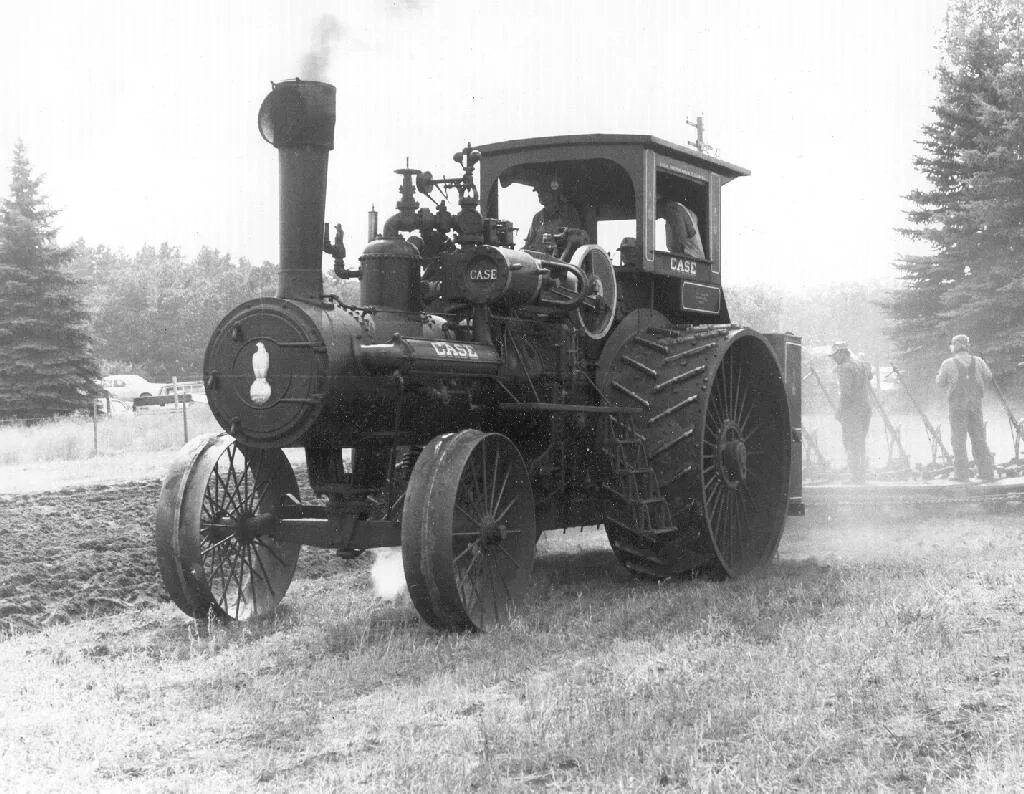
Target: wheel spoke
(494,494)
(511,559)
(246,495)
(475,520)
(227,492)
(222,556)
(266,577)
(252,575)
(507,507)
(236,576)
(734,385)
(746,407)
(212,546)
(748,434)
(732,528)
(494,589)
(459,556)
(232,473)
(272,551)
(467,575)
(501,492)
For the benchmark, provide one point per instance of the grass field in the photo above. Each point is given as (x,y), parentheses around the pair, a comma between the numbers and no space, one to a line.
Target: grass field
(76,451)
(79,438)
(865,658)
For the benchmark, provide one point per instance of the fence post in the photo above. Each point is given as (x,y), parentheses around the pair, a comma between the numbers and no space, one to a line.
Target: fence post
(95,431)
(184,417)
(174,391)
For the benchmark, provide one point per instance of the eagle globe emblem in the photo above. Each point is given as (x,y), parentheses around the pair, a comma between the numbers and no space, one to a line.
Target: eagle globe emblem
(259,392)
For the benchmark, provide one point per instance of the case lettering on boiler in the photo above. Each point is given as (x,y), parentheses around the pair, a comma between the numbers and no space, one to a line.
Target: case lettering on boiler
(454,350)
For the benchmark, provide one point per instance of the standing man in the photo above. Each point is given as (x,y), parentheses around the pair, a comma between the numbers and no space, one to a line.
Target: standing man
(964,377)
(854,411)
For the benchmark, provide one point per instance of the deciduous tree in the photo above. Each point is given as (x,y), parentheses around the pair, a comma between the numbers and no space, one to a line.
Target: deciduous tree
(157,309)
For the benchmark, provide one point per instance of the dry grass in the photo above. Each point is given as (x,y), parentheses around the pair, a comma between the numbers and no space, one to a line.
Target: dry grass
(891,660)
(61,453)
(73,439)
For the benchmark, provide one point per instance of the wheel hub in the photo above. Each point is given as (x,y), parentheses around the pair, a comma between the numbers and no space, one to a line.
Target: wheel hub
(244,528)
(493,532)
(732,455)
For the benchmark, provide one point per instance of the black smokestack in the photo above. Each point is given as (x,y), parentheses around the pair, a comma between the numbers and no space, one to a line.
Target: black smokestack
(297,118)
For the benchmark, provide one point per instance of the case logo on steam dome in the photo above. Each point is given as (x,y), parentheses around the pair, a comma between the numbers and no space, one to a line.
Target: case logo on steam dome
(259,392)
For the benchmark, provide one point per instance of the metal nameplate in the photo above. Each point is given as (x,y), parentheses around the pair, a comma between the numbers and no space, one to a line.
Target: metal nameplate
(702,298)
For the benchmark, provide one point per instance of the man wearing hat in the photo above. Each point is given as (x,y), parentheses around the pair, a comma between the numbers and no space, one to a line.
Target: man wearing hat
(964,377)
(555,214)
(854,411)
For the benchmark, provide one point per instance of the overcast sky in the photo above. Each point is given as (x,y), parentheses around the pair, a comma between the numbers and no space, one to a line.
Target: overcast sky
(141,115)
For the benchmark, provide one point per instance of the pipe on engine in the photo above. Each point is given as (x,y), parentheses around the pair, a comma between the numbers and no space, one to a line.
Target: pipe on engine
(297,118)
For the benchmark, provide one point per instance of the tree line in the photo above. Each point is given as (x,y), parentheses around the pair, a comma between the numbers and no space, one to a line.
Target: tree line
(153,311)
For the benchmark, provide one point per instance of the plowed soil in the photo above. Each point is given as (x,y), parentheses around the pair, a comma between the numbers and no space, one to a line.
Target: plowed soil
(80,552)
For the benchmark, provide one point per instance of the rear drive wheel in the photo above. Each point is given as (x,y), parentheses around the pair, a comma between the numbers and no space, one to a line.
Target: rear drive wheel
(715,420)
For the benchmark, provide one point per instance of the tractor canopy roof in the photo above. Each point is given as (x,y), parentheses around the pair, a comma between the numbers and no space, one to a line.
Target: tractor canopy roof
(613,177)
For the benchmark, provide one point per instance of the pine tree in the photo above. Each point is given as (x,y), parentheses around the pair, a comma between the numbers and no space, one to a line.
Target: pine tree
(46,360)
(972,214)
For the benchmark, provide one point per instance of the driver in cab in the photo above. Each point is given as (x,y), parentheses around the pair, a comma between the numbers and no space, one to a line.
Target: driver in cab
(555,215)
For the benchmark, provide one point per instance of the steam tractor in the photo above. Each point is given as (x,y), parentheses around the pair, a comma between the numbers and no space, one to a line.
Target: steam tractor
(480,394)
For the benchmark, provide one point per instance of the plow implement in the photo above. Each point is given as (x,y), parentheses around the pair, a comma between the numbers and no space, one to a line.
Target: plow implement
(922,498)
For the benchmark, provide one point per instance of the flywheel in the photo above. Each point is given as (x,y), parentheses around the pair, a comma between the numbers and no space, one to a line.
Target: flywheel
(715,420)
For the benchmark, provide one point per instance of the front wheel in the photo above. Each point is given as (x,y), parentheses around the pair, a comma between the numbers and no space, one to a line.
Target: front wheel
(214,529)
(469,531)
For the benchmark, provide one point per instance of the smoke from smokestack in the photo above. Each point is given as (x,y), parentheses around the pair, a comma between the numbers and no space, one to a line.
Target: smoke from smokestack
(326,33)
(398,6)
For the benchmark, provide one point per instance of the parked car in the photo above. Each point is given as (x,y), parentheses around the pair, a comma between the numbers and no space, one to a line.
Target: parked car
(112,405)
(129,387)
(192,387)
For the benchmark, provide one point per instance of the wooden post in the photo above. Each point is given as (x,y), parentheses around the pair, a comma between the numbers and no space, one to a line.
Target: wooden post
(95,431)
(184,410)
